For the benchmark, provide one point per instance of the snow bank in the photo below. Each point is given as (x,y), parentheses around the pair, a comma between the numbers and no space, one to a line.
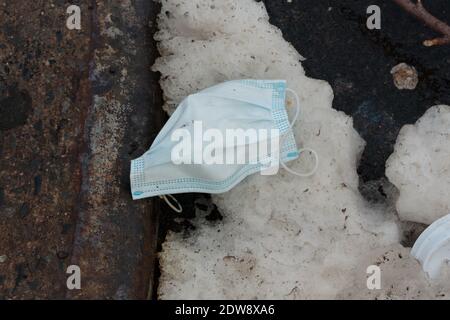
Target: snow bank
(282,237)
(420,167)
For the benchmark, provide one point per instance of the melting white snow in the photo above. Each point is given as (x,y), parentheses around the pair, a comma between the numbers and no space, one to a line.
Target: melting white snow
(420,167)
(282,237)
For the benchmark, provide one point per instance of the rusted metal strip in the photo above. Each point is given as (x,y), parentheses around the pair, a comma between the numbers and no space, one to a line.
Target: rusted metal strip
(88,104)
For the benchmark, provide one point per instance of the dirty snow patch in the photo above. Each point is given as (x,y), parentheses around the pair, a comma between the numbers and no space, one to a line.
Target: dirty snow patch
(420,167)
(282,237)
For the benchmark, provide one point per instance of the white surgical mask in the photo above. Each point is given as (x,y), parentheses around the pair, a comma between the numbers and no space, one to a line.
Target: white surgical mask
(203,122)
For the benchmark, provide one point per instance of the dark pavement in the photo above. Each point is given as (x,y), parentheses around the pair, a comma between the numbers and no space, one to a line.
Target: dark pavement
(339,48)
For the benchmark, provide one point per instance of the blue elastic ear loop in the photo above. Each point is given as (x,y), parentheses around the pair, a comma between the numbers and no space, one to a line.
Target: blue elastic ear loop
(314,153)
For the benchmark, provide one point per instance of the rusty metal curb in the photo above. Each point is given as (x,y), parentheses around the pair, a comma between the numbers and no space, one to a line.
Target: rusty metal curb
(88,105)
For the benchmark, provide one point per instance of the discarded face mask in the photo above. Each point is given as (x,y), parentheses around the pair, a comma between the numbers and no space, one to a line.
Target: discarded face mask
(241,106)
(432,248)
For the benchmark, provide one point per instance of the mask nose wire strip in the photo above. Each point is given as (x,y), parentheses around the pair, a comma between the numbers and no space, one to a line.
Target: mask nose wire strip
(173,203)
(314,153)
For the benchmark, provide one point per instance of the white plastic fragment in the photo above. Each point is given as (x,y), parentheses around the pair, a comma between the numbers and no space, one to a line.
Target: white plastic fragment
(432,248)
